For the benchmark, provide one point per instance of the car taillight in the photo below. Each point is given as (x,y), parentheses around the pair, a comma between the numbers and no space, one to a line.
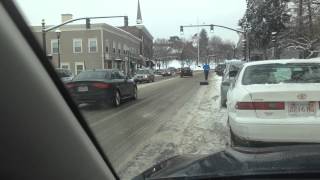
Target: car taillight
(260,105)
(70,85)
(101,85)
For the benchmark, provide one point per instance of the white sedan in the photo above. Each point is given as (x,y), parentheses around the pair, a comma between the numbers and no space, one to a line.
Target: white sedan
(275,101)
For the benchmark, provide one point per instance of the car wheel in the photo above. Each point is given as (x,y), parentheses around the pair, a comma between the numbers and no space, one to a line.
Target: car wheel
(238,142)
(223,103)
(135,93)
(116,99)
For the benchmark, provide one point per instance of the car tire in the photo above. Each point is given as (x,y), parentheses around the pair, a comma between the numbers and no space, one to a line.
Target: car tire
(135,93)
(223,103)
(116,99)
(238,142)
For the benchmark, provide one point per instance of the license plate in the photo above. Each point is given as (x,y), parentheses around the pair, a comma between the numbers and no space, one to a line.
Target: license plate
(83,88)
(302,108)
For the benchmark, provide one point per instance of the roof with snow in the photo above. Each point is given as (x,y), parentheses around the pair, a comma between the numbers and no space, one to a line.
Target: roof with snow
(283,61)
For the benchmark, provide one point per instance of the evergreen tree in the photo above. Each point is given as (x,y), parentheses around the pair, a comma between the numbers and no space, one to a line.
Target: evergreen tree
(204,41)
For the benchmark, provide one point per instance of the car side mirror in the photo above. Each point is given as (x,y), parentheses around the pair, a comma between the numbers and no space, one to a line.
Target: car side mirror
(226,83)
(233,73)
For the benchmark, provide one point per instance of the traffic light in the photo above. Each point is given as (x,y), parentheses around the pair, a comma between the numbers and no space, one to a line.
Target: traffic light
(126,21)
(181,29)
(244,44)
(211,28)
(244,48)
(274,37)
(88,25)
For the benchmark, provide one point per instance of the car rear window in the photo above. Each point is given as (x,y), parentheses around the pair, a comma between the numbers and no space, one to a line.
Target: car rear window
(142,72)
(91,75)
(63,74)
(282,73)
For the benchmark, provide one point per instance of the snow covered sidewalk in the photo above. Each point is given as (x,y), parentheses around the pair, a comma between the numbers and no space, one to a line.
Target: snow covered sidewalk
(199,127)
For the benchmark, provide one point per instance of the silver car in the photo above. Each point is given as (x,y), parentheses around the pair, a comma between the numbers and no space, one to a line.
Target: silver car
(144,75)
(65,75)
(229,75)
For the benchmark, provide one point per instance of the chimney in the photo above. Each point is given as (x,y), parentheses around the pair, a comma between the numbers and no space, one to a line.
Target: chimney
(66,17)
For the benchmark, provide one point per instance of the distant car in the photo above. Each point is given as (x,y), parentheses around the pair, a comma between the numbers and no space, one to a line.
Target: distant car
(144,75)
(178,71)
(220,69)
(275,101)
(228,77)
(65,74)
(158,72)
(102,87)
(186,71)
(172,70)
(166,72)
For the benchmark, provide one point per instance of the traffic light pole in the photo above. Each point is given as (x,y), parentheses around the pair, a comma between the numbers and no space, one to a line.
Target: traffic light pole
(244,33)
(45,30)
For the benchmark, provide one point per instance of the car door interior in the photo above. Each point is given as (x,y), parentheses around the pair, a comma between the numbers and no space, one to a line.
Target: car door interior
(43,135)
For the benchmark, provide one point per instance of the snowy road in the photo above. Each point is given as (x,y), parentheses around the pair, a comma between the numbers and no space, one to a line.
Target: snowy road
(172,117)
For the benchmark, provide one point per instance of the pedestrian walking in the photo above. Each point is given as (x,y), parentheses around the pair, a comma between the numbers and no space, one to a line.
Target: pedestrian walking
(206,69)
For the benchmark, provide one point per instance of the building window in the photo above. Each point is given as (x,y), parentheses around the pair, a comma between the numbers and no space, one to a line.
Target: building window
(54,46)
(107,46)
(114,47)
(79,67)
(77,46)
(109,64)
(119,48)
(65,66)
(93,43)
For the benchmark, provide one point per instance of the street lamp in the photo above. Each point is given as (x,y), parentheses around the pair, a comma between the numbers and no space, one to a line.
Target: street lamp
(58,31)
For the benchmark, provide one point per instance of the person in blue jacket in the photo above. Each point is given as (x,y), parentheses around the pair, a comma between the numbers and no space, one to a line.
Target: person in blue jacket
(206,69)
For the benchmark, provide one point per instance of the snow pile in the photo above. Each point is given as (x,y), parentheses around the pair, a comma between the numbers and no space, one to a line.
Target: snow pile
(193,66)
(199,127)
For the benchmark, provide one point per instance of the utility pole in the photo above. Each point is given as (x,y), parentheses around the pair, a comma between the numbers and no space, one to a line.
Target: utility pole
(300,18)
(310,19)
(44,42)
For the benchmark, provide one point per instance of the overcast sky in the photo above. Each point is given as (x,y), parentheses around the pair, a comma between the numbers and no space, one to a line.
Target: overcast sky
(161,17)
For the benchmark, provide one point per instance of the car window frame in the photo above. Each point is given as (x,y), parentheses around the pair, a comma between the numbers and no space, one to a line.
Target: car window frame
(41,54)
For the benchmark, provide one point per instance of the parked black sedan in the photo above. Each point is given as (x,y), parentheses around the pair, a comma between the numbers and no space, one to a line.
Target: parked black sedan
(102,87)
(186,71)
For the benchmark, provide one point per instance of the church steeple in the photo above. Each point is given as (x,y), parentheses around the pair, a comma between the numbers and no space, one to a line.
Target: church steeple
(139,17)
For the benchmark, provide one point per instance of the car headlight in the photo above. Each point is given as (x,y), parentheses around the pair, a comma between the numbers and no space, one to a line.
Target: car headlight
(145,76)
